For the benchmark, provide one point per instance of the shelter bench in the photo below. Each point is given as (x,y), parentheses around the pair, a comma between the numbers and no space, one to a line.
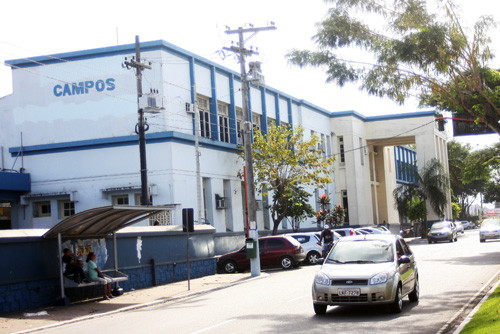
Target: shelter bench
(114,275)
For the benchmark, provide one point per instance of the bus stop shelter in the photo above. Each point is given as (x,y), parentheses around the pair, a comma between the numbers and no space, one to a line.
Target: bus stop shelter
(99,223)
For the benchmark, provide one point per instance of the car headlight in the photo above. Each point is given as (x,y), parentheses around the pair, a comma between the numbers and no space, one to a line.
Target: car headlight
(322,279)
(379,278)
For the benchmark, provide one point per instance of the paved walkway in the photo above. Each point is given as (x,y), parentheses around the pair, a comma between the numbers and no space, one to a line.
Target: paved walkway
(33,320)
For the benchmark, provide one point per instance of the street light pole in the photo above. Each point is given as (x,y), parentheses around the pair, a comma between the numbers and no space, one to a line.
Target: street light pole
(247,138)
(141,126)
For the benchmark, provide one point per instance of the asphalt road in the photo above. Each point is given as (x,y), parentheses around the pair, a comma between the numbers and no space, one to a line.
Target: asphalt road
(451,274)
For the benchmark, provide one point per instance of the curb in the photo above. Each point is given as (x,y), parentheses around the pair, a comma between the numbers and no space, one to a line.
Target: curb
(471,313)
(446,327)
(144,305)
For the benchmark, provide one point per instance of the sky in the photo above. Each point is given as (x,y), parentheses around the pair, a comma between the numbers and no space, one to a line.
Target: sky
(34,28)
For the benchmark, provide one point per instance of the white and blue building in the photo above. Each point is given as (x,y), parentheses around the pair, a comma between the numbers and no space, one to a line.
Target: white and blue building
(68,141)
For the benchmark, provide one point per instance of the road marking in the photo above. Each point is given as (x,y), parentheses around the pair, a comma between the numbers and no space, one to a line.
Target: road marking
(295,299)
(214,326)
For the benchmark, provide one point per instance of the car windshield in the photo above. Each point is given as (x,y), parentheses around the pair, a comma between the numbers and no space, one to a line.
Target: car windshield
(438,226)
(488,223)
(362,251)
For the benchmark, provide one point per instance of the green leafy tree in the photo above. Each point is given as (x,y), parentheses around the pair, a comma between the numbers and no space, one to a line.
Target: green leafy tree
(295,205)
(456,209)
(283,161)
(417,210)
(472,173)
(416,52)
(431,184)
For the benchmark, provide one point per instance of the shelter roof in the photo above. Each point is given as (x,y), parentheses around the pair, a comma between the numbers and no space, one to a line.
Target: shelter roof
(102,221)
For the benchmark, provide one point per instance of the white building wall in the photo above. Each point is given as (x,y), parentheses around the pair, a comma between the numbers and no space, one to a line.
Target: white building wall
(107,165)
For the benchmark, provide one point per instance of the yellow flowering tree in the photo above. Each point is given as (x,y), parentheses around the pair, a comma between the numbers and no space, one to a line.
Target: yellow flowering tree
(283,161)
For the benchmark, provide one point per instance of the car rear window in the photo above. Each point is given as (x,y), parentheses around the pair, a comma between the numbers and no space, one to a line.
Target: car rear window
(302,238)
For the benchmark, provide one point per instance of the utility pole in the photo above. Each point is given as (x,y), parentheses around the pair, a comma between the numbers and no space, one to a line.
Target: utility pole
(141,127)
(247,135)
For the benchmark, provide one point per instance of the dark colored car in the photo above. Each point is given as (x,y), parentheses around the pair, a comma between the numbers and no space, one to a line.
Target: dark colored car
(275,251)
(442,231)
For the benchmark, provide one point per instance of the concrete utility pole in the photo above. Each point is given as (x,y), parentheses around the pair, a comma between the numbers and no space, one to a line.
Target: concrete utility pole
(141,127)
(247,135)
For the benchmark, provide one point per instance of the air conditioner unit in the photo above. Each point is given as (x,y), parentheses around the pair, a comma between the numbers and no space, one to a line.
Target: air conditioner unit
(220,202)
(152,101)
(189,108)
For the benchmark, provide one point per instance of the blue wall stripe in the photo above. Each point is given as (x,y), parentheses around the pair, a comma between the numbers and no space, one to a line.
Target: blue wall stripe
(92,144)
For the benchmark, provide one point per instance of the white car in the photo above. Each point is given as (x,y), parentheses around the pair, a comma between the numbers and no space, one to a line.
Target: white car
(309,241)
(460,227)
(490,229)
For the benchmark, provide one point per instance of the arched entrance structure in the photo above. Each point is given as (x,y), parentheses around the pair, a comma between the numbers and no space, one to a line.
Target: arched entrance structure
(366,145)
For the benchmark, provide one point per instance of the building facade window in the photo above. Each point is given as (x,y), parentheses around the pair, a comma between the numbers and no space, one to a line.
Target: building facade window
(345,205)
(341,149)
(120,199)
(204,111)
(223,122)
(271,122)
(42,209)
(66,209)
(256,122)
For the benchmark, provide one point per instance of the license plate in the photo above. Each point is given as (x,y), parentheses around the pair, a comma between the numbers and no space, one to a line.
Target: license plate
(349,292)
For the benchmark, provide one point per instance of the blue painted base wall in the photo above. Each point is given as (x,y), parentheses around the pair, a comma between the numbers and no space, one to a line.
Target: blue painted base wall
(35,294)
(29,277)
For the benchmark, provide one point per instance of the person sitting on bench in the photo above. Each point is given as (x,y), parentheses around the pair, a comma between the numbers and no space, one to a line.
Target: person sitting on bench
(73,266)
(96,275)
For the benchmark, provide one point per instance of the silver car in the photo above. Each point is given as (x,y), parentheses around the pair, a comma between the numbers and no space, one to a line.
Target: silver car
(490,229)
(309,241)
(367,269)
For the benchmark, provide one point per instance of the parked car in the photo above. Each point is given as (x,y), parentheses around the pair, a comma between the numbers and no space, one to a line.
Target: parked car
(367,269)
(442,231)
(344,231)
(490,229)
(467,225)
(371,230)
(275,251)
(460,227)
(309,241)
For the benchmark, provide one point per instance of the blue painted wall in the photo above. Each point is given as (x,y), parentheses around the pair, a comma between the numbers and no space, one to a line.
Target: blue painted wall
(30,273)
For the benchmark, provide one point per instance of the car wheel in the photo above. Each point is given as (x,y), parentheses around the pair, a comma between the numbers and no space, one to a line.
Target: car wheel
(397,304)
(429,241)
(456,238)
(230,267)
(482,240)
(286,262)
(319,309)
(312,257)
(413,296)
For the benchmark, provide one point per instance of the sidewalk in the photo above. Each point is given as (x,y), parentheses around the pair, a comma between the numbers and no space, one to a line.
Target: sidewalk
(30,321)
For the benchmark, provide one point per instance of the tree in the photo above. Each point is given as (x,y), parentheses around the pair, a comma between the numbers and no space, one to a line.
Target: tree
(417,52)
(283,162)
(432,184)
(295,204)
(456,209)
(472,173)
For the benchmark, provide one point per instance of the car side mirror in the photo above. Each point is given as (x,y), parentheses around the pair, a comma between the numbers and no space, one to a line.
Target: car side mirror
(404,259)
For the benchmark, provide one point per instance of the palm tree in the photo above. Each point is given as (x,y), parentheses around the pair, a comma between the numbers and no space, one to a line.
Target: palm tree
(432,183)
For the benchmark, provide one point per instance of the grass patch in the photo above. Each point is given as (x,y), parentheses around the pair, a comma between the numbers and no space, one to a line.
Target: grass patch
(487,318)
